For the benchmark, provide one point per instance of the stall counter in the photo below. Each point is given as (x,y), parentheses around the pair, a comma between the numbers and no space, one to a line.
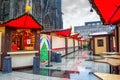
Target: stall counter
(0,53)
(21,59)
(22,52)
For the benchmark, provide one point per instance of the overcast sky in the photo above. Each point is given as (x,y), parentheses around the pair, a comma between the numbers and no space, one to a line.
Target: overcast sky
(76,12)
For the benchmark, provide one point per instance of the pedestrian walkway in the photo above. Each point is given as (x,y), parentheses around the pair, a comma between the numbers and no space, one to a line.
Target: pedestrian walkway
(25,76)
(76,66)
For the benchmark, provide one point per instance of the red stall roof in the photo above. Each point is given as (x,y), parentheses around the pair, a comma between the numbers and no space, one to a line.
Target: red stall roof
(63,32)
(74,36)
(79,37)
(1,25)
(60,32)
(25,21)
(109,10)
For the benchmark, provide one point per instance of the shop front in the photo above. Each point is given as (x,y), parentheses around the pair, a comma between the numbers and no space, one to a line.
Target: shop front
(101,42)
(20,38)
(101,7)
(1,31)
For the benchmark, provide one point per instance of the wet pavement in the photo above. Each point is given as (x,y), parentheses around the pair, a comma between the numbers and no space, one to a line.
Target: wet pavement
(76,66)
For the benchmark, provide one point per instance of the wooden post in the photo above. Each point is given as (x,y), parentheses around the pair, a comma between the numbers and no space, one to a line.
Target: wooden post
(73,45)
(66,46)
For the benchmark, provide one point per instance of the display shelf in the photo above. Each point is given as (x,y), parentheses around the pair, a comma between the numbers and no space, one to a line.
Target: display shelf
(0,53)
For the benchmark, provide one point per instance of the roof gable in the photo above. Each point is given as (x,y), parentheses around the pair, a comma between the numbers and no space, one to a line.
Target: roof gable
(25,21)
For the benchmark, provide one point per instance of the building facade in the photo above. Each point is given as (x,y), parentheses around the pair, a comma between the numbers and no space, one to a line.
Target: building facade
(46,12)
(92,27)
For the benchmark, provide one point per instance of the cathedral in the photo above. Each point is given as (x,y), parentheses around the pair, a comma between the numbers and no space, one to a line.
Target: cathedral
(47,12)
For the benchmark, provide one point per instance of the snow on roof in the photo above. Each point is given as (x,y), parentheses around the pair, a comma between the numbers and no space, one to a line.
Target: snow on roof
(99,33)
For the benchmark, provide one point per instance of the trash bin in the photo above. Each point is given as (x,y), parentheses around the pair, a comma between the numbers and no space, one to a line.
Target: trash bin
(36,64)
(7,66)
(58,58)
(53,55)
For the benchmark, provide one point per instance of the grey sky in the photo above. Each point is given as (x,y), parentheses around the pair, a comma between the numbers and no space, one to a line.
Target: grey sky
(76,12)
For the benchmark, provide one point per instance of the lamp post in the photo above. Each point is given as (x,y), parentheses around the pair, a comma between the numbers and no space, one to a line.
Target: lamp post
(91,10)
(49,58)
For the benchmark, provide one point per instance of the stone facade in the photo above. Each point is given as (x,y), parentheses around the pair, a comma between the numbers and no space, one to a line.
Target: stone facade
(47,12)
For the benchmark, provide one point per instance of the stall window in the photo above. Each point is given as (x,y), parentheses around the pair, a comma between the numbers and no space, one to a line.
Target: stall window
(100,42)
(22,39)
(0,45)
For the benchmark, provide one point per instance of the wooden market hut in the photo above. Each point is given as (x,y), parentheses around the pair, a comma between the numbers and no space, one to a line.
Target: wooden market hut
(61,41)
(24,31)
(102,42)
(71,41)
(76,40)
(58,40)
(63,34)
(109,16)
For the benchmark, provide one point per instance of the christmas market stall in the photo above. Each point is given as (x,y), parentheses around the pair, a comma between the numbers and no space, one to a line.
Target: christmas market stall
(109,12)
(55,40)
(1,37)
(75,41)
(102,42)
(60,41)
(69,44)
(20,38)
(59,37)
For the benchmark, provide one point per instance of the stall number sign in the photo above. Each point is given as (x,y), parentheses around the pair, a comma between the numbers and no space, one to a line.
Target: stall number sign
(28,41)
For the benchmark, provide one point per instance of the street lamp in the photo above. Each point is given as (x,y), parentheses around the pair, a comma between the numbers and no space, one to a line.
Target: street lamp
(91,10)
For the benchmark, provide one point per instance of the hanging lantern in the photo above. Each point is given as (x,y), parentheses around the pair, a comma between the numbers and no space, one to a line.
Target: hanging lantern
(27,9)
